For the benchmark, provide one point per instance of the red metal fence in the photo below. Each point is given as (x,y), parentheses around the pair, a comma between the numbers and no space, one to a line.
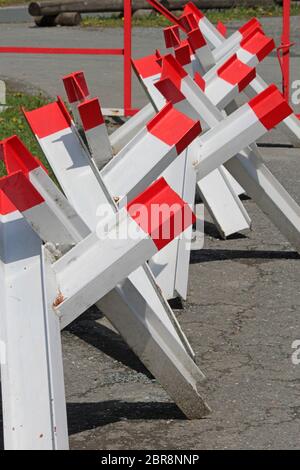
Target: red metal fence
(283,51)
(125,52)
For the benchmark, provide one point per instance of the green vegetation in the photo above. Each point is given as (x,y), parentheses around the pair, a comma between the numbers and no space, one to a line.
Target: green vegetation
(13,122)
(7,3)
(156,20)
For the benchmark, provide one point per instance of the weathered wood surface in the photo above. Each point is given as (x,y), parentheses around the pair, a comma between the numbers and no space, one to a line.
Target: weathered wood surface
(62,19)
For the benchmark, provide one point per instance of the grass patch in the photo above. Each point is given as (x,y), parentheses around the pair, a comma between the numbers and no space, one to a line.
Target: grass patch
(157,20)
(8,3)
(13,122)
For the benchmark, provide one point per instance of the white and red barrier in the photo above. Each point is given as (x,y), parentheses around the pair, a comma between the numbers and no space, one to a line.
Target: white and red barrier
(79,278)
(125,172)
(229,80)
(136,297)
(165,137)
(223,83)
(147,70)
(99,263)
(242,128)
(87,272)
(17,157)
(93,242)
(200,50)
(171,276)
(172,37)
(127,131)
(225,207)
(213,36)
(67,227)
(33,397)
(95,131)
(218,145)
(124,175)
(234,132)
(221,47)
(77,91)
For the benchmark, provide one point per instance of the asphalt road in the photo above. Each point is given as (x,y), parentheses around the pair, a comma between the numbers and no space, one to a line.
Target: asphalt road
(15,14)
(241,316)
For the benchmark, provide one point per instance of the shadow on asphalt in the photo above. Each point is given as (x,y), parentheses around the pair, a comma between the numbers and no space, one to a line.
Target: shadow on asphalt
(273,145)
(207,255)
(1,423)
(86,416)
(107,341)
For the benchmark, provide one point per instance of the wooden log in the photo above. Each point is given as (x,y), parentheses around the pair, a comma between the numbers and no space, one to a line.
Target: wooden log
(44,21)
(68,19)
(62,19)
(94,6)
(142,13)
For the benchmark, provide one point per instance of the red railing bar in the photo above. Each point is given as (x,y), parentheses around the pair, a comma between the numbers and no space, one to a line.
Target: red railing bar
(59,50)
(285,49)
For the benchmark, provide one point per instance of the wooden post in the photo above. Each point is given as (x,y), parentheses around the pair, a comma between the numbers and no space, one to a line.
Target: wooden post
(2,95)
